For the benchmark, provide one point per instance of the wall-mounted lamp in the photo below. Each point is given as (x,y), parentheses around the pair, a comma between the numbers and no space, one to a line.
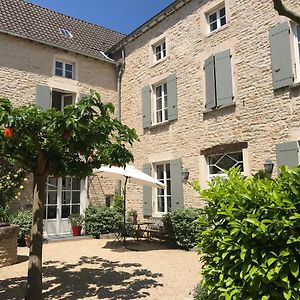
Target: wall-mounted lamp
(268,165)
(185,175)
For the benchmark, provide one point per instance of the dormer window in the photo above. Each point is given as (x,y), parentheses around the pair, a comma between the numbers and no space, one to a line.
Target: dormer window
(64,69)
(65,33)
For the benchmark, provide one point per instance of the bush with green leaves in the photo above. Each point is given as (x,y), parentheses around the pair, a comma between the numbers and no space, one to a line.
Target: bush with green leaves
(101,219)
(250,237)
(23,218)
(181,226)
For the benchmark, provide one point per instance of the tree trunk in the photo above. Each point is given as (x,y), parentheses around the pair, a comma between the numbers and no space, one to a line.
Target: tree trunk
(34,280)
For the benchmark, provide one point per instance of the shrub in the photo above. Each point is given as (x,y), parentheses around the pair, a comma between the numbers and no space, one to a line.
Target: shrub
(100,220)
(76,219)
(250,237)
(3,214)
(181,226)
(22,218)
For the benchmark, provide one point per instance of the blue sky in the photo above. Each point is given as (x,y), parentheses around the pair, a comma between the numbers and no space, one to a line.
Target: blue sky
(120,15)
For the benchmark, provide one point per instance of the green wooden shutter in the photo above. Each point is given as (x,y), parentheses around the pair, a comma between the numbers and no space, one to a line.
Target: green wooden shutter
(172,97)
(147,193)
(146,106)
(282,71)
(223,73)
(210,82)
(176,184)
(287,154)
(43,96)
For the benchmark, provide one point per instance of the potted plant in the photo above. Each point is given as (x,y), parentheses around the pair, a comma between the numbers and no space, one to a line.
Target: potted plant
(76,221)
(133,216)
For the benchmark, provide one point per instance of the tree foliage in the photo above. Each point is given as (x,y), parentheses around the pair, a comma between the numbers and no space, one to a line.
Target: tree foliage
(250,237)
(61,143)
(285,11)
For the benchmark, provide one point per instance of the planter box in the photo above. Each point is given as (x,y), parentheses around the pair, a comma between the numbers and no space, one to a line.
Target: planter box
(8,244)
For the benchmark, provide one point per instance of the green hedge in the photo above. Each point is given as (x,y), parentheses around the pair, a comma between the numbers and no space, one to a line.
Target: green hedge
(181,226)
(250,237)
(22,218)
(101,219)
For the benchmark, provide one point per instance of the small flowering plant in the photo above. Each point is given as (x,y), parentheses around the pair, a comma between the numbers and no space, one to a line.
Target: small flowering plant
(12,182)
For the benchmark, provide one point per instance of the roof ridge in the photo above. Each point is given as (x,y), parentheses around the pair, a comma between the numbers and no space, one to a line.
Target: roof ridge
(70,17)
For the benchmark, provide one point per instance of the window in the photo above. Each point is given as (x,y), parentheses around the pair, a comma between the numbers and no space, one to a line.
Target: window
(218,80)
(285,66)
(65,33)
(160,51)
(161,103)
(218,164)
(61,100)
(62,193)
(163,197)
(64,69)
(217,19)
(297,50)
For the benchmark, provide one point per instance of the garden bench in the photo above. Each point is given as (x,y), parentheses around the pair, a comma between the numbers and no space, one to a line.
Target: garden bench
(154,229)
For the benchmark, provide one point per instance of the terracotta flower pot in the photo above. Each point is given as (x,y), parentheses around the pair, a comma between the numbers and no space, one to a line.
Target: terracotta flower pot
(76,230)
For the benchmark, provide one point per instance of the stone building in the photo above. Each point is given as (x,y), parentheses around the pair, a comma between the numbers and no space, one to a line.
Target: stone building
(210,85)
(207,84)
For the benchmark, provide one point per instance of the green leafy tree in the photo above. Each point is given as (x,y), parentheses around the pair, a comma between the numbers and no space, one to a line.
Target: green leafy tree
(69,143)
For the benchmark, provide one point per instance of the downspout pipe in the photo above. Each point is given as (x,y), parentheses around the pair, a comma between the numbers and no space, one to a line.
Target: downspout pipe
(120,72)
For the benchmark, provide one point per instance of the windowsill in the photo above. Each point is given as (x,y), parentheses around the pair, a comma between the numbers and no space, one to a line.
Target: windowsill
(295,84)
(159,124)
(154,63)
(207,111)
(65,78)
(217,30)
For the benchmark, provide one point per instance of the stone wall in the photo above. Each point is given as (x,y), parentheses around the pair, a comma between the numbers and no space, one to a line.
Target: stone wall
(261,116)
(8,245)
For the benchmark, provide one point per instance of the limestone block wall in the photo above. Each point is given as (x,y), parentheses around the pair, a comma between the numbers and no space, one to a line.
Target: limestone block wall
(8,245)
(260,116)
(25,64)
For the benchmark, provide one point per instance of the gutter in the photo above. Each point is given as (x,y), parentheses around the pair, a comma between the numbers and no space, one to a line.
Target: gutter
(120,70)
(106,59)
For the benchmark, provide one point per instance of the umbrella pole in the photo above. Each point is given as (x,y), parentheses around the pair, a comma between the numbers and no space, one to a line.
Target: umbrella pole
(124,211)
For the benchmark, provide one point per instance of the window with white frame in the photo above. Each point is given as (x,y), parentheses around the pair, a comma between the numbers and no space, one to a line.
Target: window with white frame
(160,51)
(217,18)
(218,164)
(64,69)
(160,103)
(163,196)
(60,100)
(297,51)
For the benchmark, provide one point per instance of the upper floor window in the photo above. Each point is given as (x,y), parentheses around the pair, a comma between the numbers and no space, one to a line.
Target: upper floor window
(61,100)
(63,69)
(297,50)
(218,80)
(161,103)
(216,19)
(285,54)
(160,51)
(220,163)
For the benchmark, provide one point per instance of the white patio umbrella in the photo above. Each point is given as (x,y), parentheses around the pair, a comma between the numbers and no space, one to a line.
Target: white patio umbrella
(129,174)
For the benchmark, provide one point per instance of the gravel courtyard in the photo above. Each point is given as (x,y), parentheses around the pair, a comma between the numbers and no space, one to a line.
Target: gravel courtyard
(95,269)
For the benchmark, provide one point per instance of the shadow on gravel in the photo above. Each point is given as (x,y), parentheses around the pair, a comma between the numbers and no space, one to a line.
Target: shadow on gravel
(90,277)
